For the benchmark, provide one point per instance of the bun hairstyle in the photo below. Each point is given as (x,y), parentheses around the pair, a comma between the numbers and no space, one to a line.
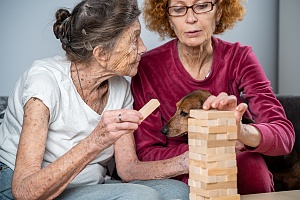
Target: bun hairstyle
(93,23)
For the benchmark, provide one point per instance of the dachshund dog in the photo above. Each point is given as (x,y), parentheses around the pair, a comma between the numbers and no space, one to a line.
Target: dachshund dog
(178,124)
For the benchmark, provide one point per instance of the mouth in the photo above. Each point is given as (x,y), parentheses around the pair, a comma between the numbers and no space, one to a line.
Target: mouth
(191,34)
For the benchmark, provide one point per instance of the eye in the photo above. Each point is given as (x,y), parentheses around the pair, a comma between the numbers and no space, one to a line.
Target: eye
(183,114)
(201,6)
(178,9)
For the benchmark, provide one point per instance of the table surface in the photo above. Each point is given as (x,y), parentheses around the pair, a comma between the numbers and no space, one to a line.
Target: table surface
(284,195)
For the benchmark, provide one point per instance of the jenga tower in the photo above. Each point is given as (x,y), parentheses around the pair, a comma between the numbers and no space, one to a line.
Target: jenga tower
(212,167)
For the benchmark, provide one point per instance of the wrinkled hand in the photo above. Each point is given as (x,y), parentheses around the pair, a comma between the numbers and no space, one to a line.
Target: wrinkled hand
(114,124)
(228,102)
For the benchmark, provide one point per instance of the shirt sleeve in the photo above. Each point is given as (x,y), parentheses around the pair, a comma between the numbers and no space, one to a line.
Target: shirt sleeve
(277,131)
(40,83)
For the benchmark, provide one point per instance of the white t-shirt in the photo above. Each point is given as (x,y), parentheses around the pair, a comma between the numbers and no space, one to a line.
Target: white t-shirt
(71,119)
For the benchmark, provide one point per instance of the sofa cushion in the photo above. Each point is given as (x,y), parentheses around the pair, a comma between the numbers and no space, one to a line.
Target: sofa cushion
(291,105)
(3,105)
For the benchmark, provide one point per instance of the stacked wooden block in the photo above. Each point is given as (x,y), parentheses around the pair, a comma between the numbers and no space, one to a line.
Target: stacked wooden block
(213,171)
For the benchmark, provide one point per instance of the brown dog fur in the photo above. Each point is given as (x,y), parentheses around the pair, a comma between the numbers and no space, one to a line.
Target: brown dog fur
(178,124)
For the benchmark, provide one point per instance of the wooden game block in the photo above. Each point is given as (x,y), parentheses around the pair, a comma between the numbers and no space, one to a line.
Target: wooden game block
(213,171)
(214,129)
(195,161)
(231,197)
(204,193)
(193,196)
(231,177)
(211,114)
(212,122)
(230,163)
(232,135)
(231,121)
(229,149)
(203,150)
(200,136)
(192,142)
(149,107)
(216,143)
(231,191)
(202,178)
(221,171)
(218,185)
(222,136)
(222,178)
(217,157)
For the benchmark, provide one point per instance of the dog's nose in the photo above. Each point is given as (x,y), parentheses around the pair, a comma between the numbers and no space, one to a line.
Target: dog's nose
(164,130)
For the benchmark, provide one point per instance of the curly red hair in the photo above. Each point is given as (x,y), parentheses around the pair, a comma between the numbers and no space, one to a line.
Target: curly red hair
(156,16)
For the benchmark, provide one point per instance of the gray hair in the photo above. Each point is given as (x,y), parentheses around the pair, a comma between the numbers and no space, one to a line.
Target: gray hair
(93,23)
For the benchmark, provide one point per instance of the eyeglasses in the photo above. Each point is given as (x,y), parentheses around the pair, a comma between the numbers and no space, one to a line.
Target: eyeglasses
(199,8)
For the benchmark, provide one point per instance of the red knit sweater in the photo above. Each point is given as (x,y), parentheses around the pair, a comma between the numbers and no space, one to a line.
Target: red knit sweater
(235,70)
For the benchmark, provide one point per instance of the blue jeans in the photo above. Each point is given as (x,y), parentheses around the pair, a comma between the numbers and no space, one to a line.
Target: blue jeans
(5,182)
(166,189)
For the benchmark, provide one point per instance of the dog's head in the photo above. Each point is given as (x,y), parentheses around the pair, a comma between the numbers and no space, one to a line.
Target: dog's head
(178,124)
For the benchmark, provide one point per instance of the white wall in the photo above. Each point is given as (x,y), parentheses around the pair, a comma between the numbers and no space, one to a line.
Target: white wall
(289,43)
(26,34)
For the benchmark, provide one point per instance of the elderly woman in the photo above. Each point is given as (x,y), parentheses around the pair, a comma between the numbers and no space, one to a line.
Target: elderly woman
(68,116)
(194,60)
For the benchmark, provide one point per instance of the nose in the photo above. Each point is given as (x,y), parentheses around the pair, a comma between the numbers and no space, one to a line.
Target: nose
(165,130)
(142,48)
(191,18)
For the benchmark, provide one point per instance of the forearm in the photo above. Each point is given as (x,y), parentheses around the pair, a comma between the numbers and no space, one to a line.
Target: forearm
(155,169)
(49,182)
(249,136)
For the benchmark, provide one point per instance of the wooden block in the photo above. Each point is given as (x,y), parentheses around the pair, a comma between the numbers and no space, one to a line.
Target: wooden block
(219,185)
(231,191)
(204,122)
(221,171)
(212,129)
(216,157)
(231,121)
(231,197)
(203,150)
(193,196)
(212,150)
(204,193)
(232,135)
(149,107)
(200,136)
(211,114)
(194,160)
(202,178)
(218,143)
(192,142)
(222,136)
(230,163)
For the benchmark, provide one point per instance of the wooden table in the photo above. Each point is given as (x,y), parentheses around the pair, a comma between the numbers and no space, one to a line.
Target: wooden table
(285,195)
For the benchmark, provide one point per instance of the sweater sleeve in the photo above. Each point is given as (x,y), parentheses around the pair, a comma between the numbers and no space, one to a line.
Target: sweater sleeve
(277,131)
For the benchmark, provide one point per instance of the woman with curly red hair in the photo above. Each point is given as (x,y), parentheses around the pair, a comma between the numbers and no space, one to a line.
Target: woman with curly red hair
(195,59)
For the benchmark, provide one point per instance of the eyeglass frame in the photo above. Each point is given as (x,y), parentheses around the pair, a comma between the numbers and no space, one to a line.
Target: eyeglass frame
(192,7)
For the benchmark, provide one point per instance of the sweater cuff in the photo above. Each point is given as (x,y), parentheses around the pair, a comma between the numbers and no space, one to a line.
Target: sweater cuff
(266,142)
